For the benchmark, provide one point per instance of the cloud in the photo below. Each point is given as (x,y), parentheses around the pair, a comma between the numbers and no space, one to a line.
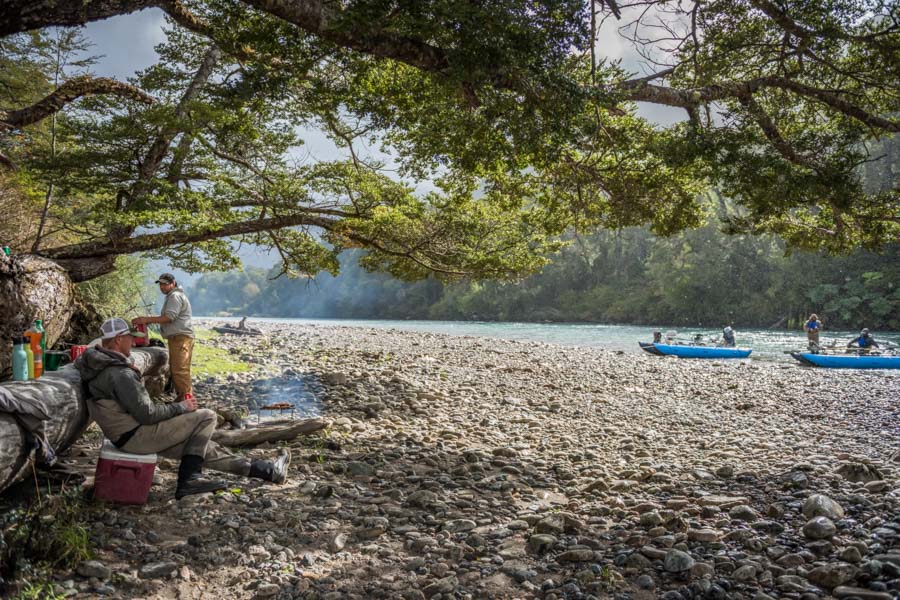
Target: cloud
(126,42)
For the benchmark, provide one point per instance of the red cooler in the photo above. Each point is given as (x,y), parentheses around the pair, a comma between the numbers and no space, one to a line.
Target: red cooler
(122,477)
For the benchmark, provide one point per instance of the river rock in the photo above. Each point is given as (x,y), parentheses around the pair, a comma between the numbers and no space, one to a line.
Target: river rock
(820,505)
(583,555)
(832,575)
(337,542)
(93,568)
(442,586)
(819,528)
(267,590)
(858,472)
(158,570)
(459,525)
(861,593)
(541,542)
(677,561)
(743,512)
(724,502)
(703,535)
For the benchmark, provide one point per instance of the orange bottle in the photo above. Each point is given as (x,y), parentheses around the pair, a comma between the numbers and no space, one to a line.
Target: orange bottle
(34,338)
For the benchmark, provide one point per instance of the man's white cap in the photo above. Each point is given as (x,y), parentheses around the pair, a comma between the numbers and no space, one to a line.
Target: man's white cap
(115,327)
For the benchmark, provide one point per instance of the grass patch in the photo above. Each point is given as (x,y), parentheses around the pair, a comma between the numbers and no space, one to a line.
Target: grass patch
(208,361)
(49,534)
(205,334)
(38,591)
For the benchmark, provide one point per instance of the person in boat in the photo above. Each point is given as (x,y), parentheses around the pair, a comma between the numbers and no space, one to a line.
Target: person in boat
(175,325)
(864,341)
(119,403)
(728,337)
(657,337)
(812,327)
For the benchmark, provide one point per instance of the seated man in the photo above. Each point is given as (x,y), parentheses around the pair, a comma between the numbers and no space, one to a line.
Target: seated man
(134,423)
(865,341)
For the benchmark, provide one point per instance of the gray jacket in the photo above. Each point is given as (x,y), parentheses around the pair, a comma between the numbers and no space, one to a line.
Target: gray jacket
(178,308)
(118,400)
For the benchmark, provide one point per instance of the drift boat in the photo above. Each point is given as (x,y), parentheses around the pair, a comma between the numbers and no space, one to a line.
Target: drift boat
(687,351)
(849,361)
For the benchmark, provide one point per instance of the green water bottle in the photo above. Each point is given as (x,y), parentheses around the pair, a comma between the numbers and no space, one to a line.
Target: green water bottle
(6,250)
(39,327)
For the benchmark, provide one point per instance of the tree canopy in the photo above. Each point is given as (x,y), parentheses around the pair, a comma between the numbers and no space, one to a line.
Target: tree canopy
(501,104)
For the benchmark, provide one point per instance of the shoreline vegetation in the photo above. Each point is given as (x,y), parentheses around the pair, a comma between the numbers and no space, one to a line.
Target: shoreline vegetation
(628,277)
(471,467)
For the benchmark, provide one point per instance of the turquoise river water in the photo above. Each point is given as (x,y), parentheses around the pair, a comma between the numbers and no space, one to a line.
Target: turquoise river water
(767,344)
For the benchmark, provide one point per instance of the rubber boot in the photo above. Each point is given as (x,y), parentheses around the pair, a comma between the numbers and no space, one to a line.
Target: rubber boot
(271,470)
(190,478)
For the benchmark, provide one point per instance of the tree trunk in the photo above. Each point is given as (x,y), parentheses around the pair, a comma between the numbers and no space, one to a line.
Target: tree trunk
(61,393)
(32,288)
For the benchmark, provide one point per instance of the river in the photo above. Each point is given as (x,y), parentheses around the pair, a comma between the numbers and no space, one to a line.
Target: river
(767,344)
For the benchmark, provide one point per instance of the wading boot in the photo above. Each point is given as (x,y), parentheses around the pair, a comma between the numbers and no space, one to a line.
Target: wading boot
(272,470)
(190,478)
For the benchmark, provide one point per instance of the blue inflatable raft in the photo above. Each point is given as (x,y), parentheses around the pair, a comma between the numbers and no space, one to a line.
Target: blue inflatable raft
(686,351)
(849,361)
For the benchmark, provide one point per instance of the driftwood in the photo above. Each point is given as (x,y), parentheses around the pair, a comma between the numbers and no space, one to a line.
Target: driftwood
(236,330)
(61,393)
(237,438)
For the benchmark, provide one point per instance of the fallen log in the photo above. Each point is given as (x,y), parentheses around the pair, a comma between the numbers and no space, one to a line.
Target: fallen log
(61,394)
(242,438)
(236,330)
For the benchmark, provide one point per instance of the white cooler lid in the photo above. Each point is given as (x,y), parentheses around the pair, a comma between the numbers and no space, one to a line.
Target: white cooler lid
(108,451)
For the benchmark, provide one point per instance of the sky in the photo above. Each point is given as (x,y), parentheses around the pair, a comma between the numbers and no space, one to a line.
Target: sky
(126,45)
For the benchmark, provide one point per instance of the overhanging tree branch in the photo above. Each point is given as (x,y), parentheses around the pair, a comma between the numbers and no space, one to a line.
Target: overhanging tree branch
(157,241)
(92,251)
(802,32)
(67,93)
(639,90)
(770,130)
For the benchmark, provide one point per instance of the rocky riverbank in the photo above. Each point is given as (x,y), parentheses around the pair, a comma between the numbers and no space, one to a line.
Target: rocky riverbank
(461,467)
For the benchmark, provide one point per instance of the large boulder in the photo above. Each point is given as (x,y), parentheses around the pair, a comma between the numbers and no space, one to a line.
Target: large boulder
(32,288)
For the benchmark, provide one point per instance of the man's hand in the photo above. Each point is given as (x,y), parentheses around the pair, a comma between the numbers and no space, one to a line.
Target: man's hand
(140,321)
(190,402)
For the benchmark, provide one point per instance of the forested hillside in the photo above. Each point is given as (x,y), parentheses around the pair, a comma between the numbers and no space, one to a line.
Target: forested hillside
(631,276)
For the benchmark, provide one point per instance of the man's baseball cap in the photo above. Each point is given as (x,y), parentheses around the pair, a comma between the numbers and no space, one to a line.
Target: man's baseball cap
(167,278)
(115,327)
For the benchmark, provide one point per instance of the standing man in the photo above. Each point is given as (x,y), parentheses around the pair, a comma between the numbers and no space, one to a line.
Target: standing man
(812,327)
(728,337)
(175,326)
